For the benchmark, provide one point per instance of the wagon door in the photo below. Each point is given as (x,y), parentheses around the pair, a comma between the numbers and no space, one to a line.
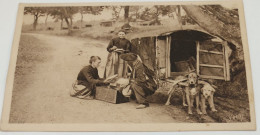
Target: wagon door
(162,56)
(212,60)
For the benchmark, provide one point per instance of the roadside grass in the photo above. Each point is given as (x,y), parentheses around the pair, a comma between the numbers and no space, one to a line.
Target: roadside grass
(30,53)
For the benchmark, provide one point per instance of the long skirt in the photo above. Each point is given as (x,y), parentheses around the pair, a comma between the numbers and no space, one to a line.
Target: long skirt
(115,65)
(82,90)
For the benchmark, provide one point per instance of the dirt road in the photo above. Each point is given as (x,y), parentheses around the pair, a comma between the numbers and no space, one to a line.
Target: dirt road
(43,95)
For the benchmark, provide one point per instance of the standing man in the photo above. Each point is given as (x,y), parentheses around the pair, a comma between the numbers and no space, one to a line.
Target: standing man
(142,82)
(88,78)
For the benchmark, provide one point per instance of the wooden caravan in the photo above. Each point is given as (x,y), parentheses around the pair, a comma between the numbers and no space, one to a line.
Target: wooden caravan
(178,51)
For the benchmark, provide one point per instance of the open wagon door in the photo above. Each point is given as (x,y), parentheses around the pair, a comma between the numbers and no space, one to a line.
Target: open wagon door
(212,60)
(162,57)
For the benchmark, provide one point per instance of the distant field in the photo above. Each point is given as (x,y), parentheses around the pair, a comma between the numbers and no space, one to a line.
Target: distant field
(95,32)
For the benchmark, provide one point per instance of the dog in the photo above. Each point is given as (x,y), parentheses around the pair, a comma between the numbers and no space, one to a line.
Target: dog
(190,90)
(207,93)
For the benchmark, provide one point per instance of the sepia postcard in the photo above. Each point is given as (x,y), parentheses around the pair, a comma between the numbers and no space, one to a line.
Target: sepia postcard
(122,66)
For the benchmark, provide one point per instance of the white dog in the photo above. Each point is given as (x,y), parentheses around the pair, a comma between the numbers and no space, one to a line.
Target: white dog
(207,93)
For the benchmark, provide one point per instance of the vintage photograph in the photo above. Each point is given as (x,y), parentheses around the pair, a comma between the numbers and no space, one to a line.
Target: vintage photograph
(154,64)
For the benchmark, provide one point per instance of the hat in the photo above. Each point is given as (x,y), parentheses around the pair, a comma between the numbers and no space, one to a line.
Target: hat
(128,56)
(122,30)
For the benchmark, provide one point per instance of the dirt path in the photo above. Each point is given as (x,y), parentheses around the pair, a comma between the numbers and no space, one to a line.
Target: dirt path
(46,98)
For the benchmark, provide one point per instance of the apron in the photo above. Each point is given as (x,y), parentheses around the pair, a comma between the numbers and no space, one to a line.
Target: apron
(115,65)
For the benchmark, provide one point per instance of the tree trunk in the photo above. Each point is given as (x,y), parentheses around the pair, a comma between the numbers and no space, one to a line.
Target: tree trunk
(67,16)
(69,26)
(178,13)
(71,22)
(35,22)
(157,22)
(81,20)
(61,23)
(46,20)
(127,14)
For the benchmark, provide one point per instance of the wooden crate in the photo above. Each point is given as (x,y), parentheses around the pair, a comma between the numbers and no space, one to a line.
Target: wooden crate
(110,95)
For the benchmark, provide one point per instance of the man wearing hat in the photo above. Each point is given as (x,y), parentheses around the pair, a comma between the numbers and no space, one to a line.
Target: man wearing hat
(142,82)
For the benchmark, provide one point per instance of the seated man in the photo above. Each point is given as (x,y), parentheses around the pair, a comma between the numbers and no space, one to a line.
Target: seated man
(88,78)
(142,82)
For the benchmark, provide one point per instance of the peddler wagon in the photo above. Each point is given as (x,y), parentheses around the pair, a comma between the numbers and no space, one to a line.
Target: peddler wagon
(175,51)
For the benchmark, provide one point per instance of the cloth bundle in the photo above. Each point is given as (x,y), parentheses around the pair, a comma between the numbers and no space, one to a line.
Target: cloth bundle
(122,85)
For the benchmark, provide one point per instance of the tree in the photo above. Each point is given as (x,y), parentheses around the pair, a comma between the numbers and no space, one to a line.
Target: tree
(65,13)
(116,11)
(126,25)
(95,10)
(36,12)
(126,15)
(68,13)
(154,13)
(146,14)
(48,11)
(220,22)
(47,15)
(134,12)
(57,14)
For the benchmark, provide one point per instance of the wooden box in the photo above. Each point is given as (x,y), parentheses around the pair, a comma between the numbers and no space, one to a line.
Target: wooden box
(110,95)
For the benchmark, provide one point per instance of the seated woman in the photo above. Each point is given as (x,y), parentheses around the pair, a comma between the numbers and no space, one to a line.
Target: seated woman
(87,80)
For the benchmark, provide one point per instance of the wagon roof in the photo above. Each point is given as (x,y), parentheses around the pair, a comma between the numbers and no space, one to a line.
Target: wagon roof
(163,31)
